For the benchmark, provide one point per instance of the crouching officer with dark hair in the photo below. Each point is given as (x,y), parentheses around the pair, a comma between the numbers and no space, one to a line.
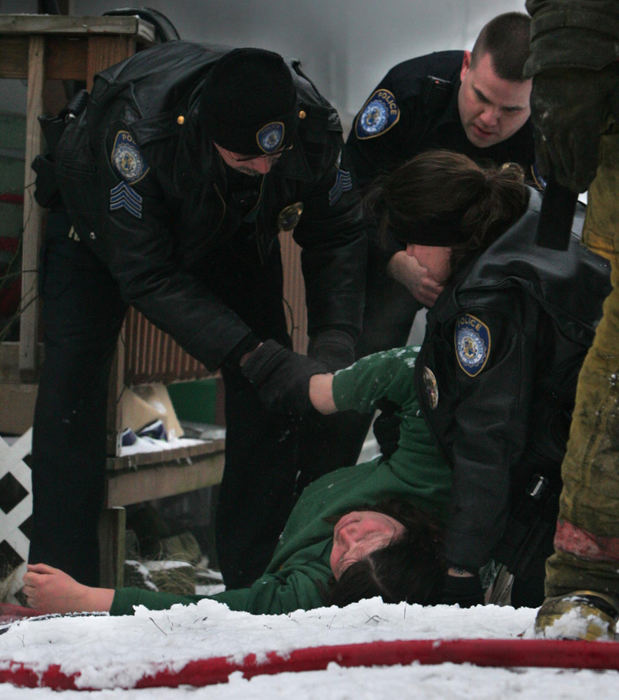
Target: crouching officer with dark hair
(175,180)
(496,373)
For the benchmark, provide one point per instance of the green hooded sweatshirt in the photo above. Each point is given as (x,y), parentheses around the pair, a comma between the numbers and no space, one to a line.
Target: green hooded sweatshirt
(299,569)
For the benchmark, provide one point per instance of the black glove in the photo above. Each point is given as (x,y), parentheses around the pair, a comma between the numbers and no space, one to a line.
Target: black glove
(462,590)
(281,377)
(570,108)
(335,348)
(387,427)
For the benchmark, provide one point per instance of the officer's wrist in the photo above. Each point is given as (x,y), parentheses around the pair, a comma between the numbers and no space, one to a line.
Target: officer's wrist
(247,355)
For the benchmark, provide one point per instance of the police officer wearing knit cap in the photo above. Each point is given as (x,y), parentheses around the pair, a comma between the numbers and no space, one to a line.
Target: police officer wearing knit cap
(176,181)
(261,82)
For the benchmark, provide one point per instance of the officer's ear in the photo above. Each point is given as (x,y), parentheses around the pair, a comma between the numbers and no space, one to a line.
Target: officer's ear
(466,64)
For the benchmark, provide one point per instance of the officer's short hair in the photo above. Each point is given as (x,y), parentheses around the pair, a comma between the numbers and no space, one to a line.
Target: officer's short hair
(506,39)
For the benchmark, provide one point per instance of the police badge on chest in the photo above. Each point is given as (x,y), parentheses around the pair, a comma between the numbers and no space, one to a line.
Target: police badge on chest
(289,217)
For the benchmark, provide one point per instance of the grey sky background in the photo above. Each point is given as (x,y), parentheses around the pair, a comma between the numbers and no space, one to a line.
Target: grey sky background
(345,46)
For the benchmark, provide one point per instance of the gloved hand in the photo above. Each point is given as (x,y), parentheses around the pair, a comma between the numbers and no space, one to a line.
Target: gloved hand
(462,590)
(333,347)
(570,108)
(281,377)
(387,427)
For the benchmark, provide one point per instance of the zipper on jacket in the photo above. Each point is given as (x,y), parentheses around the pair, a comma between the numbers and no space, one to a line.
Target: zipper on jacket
(261,243)
(223,204)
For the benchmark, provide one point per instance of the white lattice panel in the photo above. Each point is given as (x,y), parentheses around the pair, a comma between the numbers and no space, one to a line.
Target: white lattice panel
(15,511)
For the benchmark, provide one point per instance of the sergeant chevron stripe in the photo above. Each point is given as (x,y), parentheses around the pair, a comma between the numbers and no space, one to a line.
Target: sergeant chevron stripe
(343,183)
(123,196)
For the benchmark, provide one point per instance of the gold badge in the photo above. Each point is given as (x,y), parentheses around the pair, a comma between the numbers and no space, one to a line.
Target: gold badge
(289,216)
(431,386)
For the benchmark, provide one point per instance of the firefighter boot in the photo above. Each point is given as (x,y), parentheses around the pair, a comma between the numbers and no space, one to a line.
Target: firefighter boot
(585,615)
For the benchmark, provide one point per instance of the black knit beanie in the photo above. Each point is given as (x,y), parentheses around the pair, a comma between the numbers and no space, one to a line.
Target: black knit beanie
(248,102)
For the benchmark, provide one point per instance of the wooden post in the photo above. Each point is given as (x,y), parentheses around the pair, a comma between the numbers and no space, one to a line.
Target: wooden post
(112,523)
(33,215)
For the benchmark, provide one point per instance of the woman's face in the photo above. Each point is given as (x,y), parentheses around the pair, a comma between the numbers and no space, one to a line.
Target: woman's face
(435,259)
(360,533)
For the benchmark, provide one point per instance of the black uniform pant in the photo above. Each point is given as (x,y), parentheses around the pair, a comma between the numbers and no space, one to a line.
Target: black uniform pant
(82,314)
(389,314)
(269,459)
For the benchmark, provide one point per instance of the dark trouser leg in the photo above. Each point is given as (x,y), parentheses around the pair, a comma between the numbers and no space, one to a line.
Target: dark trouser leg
(256,493)
(390,310)
(82,314)
(527,593)
(329,442)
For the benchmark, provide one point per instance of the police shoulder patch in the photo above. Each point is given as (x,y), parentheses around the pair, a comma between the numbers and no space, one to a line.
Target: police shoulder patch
(472,344)
(126,158)
(270,137)
(379,114)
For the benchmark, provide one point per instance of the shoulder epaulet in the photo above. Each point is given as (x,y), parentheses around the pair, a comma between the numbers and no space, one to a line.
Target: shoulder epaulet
(316,114)
(436,93)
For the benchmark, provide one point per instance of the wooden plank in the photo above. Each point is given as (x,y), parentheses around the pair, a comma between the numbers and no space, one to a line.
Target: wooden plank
(69,25)
(17,407)
(66,59)
(9,361)
(147,484)
(33,214)
(105,51)
(176,455)
(14,57)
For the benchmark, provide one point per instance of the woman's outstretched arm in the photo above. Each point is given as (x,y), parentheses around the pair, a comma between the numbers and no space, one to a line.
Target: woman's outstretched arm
(50,590)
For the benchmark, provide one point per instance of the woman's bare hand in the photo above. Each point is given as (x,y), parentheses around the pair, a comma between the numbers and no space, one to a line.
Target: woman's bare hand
(51,590)
(407,271)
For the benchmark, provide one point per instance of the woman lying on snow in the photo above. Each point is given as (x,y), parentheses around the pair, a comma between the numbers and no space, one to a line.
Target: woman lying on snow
(493,386)
(366,514)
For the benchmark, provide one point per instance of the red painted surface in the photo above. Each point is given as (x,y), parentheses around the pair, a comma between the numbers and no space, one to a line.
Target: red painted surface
(481,652)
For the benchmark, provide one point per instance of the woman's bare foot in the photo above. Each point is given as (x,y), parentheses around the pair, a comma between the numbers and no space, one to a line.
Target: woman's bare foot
(50,590)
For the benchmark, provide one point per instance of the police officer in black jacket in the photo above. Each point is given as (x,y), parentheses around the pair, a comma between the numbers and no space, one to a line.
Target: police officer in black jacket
(476,103)
(497,370)
(175,181)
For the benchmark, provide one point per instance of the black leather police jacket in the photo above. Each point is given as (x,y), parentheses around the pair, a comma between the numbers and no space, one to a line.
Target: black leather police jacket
(161,237)
(497,374)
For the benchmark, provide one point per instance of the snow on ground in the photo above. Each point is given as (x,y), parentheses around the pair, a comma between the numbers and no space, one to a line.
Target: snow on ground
(112,652)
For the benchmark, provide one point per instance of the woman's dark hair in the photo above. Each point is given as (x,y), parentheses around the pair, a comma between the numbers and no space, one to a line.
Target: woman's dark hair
(410,569)
(443,198)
